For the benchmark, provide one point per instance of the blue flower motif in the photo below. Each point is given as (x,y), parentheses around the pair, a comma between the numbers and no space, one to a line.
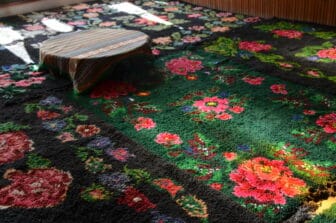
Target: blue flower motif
(297,117)
(162,218)
(54,125)
(6,67)
(245,54)
(19,66)
(189,150)
(244,148)
(100,143)
(117,181)
(313,58)
(224,94)
(51,100)
(187,108)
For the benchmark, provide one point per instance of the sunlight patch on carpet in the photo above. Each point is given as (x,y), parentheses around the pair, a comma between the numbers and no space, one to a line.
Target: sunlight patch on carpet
(135,10)
(8,35)
(20,51)
(57,25)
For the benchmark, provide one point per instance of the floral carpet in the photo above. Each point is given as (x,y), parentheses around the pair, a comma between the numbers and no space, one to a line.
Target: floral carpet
(235,122)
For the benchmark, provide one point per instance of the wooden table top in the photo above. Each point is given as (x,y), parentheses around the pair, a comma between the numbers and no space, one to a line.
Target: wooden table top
(86,56)
(94,44)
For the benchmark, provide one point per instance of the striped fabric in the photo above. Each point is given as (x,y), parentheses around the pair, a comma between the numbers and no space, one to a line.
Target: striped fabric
(86,55)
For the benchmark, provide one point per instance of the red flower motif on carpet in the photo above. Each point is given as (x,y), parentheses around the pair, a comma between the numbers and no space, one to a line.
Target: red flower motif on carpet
(147,22)
(112,89)
(230,156)
(237,109)
(47,115)
(253,80)
(66,137)
(212,104)
(279,89)
(327,53)
(144,123)
(216,186)
(291,34)
(183,66)
(168,185)
(168,139)
(38,188)
(328,122)
(5,80)
(136,200)
(120,154)
(30,81)
(224,116)
(253,46)
(309,112)
(13,145)
(87,130)
(267,181)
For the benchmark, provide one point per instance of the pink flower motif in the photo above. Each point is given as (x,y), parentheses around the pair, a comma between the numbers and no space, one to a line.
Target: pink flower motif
(224,116)
(107,24)
(224,14)
(120,154)
(183,66)
(38,188)
(168,139)
(67,109)
(34,27)
(162,40)
(171,9)
(309,112)
(80,6)
(143,21)
(286,65)
(5,80)
(94,10)
(216,29)
(313,73)
(194,15)
(230,19)
(156,52)
(290,34)
(267,181)
(13,146)
(77,23)
(279,89)
(66,137)
(35,73)
(198,8)
(87,130)
(144,123)
(328,122)
(237,109)
(253,80)
(191,39)
(47,115)
(252,19)
(90,15)
(230,156)
(212,104)
(253,46)
(30,81)
(327,53)
(196,28)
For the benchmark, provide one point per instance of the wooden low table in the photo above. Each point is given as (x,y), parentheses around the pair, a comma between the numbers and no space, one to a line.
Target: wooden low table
(86,56)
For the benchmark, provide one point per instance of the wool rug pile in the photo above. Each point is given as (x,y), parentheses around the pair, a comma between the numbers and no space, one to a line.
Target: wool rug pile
(233,119)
